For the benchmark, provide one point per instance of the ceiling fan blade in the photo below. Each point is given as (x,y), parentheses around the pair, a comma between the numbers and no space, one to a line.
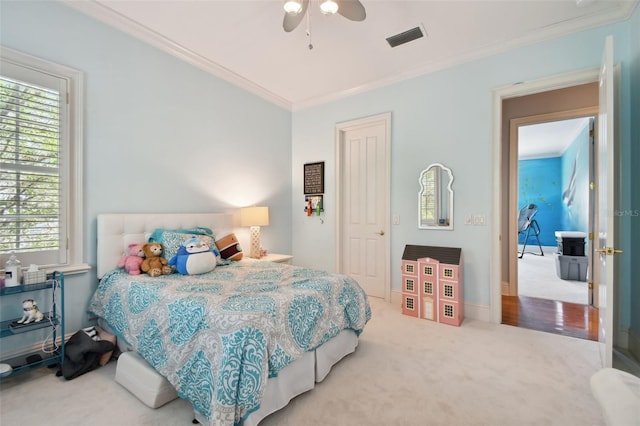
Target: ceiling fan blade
(351,9)
(290,22)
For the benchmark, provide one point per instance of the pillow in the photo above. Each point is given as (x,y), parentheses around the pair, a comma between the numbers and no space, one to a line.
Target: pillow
(172,239)
(103,335)
(229,246)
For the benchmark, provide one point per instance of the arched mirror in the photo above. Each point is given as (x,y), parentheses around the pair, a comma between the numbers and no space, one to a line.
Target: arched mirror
(435,199)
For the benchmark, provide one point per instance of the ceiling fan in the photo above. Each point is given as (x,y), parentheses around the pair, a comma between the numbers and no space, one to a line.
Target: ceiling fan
(295,10)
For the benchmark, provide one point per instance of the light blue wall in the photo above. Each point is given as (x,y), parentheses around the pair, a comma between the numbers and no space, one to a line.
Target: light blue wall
(446,117)
(144,109)
(540,183)
(160,135)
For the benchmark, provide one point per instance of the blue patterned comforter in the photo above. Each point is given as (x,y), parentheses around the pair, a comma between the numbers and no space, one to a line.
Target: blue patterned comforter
(218,336)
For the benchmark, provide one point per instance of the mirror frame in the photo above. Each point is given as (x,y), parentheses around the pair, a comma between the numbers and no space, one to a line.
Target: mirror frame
(443,169)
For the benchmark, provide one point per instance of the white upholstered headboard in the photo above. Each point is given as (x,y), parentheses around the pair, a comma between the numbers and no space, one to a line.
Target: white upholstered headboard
(116,231)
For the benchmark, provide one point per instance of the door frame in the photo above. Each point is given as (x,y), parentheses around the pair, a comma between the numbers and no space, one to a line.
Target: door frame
(512,238)
(500,172)
(340,130)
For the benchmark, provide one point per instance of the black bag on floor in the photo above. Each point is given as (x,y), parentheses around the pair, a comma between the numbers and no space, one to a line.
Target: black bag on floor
(82,354)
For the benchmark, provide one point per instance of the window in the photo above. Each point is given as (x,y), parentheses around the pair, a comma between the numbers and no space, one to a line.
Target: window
(448,291)
(449,311)
(40,161)
(409,285)
(429,197)
(410,303)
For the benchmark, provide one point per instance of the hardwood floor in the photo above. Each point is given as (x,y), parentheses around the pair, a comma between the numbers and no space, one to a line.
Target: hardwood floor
(567,319)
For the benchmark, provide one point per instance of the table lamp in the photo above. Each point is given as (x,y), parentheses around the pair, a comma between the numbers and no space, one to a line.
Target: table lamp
(254,217)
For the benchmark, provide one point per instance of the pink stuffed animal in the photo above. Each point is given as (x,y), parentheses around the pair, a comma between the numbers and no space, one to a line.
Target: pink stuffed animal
(131,262)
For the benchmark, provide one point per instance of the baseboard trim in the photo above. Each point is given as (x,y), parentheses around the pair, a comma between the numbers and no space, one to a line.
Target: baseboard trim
(35,347)
(477,312)
(621,338)
(633,343)
(396,298)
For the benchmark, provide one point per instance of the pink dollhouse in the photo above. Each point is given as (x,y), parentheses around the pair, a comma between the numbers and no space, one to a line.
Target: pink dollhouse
(432,284)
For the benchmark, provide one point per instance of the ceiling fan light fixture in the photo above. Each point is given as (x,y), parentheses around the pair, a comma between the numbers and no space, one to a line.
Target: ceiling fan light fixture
(328,7)
(292,7)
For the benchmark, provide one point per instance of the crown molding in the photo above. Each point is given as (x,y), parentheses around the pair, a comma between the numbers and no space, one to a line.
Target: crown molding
(548,33)
(116,20)
(135,29)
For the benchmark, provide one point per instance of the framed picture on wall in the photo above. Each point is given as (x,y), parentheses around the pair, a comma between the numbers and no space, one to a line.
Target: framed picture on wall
(314,178)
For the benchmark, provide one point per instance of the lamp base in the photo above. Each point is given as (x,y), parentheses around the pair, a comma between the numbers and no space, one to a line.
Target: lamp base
(254,250)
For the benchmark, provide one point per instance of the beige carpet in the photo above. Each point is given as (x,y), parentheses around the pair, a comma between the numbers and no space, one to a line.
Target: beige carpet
(405,371)
(537,277)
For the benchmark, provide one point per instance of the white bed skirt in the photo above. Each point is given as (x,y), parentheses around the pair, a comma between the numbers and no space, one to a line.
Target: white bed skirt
(333,351)
(296,378)
(299,377)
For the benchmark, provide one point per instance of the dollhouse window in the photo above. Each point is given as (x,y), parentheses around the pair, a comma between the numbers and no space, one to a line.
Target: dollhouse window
(448,272)
(410,303)
(409,285)
(428,287)
(428,270)
(448,311)
(448,290)
(409,268)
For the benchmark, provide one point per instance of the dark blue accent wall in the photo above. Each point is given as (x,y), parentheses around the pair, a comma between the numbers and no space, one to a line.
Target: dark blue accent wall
(575,184)
(559,186)
(540,183)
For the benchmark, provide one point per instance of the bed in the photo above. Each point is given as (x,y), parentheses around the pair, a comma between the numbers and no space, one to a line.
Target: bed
(238,342)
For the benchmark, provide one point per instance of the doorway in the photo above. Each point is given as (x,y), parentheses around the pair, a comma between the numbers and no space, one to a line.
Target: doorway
(363,182)
(578,97)
(552,181)
(554,170)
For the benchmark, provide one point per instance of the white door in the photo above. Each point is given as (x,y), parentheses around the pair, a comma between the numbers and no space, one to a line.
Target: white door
(606,203)
(593,203)
(364,182)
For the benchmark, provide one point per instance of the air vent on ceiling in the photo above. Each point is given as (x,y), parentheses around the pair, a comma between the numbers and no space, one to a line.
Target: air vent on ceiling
(406,36)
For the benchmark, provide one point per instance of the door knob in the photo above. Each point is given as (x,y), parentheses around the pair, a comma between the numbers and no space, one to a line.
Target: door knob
(380,232)
(609,251)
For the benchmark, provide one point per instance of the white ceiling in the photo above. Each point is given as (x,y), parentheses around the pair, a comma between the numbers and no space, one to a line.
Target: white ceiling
(243,41)
(548,139)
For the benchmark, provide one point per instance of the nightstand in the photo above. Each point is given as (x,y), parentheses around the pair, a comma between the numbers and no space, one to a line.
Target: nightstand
(279,258)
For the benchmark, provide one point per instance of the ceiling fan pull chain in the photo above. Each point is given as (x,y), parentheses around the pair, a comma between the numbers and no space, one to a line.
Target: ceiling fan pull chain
(309,30)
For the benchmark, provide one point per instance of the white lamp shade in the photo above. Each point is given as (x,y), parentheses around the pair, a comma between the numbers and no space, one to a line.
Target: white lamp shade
(254,216)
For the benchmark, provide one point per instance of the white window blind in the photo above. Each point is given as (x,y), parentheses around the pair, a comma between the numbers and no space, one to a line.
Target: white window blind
(33,159)
(430,204)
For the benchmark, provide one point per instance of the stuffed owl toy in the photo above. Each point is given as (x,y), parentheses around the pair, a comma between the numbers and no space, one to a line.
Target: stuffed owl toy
(195,257)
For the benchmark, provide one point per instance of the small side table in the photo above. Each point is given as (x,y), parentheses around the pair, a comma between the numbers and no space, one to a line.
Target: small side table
(279,258)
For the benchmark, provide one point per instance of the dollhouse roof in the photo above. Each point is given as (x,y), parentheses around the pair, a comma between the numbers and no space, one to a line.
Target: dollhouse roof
(448,255)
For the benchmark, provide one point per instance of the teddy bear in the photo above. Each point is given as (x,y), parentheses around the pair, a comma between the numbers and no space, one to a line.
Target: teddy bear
(132,261)
(154,264)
